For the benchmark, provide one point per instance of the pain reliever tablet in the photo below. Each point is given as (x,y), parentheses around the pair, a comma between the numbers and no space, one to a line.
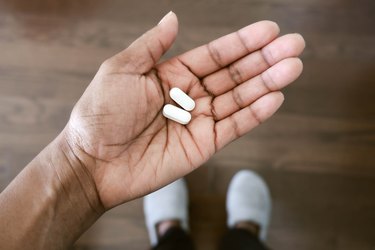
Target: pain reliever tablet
(176,114)
(182,99)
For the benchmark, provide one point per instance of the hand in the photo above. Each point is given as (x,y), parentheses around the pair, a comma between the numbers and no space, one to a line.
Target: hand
(118,133)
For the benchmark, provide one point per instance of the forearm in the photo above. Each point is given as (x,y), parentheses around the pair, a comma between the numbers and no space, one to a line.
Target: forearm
(50,203)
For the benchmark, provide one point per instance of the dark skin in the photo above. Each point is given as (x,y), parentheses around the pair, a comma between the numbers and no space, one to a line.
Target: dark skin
(117,146)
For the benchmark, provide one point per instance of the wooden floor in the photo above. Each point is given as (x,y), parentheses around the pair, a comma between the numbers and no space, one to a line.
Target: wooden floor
(317,153)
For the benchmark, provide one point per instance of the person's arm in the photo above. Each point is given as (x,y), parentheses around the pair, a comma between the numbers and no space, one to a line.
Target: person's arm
(50,203)
(117,146)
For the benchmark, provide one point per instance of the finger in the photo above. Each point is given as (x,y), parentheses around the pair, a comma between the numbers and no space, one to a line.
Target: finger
(146,51)
(227,49)
(247,118)
(273,79)
(290,45)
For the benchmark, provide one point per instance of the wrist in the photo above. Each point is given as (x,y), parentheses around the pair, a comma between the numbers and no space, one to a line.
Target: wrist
(71,167)
(72,184)
(68,192)
(50,203)
(72,190)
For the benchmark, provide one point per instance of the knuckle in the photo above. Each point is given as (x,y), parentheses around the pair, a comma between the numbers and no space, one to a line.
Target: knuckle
(107,65)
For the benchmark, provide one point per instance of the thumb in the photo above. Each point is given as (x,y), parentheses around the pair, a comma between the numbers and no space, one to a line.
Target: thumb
(146,51)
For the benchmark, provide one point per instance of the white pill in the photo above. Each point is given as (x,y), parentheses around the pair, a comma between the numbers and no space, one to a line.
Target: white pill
(182,99)
(176,114)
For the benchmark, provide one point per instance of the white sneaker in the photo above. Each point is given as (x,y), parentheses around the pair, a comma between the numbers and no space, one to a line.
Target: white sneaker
(167,203)
(248,199)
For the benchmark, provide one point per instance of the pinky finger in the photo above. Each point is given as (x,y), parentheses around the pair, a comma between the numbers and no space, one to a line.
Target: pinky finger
(247,118)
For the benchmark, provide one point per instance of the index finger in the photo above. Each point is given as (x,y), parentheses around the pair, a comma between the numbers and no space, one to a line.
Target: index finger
(217,54)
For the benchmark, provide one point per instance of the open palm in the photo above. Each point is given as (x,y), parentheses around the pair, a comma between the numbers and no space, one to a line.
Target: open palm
(117,128)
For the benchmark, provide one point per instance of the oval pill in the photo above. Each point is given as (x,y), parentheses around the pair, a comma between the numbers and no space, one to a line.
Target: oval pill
(176,114)
(182,99)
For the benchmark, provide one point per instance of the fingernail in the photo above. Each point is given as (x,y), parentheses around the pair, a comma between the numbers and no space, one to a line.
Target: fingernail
(282,96)
(165,17)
